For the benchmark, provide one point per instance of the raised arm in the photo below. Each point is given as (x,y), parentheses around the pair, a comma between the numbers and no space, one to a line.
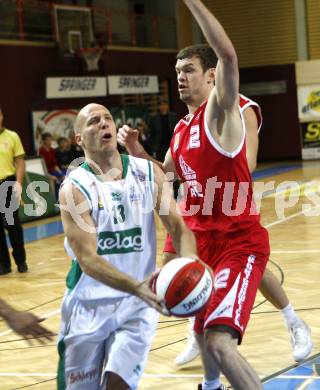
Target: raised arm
(222,109)
(227,75)
(80,231)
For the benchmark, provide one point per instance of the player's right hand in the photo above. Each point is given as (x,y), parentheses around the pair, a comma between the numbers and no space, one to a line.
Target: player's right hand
(144,292)
(127,136)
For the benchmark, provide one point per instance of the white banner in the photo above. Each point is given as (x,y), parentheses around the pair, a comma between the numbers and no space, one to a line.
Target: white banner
(309,101)
(74,87)
(119,85)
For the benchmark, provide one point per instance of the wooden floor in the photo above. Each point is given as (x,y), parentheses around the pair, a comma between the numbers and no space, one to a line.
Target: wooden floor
(295,243)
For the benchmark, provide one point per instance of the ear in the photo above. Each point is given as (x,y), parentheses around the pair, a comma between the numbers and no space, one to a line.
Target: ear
(211,75)
(78,138)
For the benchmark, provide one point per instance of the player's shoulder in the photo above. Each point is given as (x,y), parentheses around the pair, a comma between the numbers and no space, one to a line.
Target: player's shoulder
(140,169)
(74,190)
(245,102)
(81,177)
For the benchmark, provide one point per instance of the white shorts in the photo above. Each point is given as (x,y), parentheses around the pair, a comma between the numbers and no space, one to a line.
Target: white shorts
(96,337)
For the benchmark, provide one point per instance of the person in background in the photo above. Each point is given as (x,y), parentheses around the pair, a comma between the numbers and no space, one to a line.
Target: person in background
(24,323)
(144,136)
(75,149)
(63,154)
(12,170)
(161,130)
(48,153)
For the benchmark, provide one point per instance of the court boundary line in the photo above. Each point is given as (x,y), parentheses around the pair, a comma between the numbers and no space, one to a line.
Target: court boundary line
(292,366)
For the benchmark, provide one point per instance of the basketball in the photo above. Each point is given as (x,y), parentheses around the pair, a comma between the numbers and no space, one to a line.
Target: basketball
(185,285)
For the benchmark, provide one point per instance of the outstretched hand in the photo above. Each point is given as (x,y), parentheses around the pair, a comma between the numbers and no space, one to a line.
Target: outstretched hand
(28,326)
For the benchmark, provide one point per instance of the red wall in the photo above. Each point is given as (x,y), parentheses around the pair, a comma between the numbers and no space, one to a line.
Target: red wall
(22,78)
(23,71)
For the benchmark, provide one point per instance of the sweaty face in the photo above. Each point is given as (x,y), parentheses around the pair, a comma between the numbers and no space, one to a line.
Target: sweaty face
(98,130)
(193,82)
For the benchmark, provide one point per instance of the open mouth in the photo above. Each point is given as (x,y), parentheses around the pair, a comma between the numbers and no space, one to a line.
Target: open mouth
(106,137)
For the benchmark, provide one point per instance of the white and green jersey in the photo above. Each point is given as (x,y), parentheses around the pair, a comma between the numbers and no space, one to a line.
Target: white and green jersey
(123,215)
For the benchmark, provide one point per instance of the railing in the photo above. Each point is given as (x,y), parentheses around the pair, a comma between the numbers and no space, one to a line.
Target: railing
(33,20)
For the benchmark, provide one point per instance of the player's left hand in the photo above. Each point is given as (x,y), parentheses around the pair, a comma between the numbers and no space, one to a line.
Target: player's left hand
(27,325)
(145,293)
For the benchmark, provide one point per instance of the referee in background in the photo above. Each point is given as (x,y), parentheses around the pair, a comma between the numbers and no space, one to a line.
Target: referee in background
(12,170)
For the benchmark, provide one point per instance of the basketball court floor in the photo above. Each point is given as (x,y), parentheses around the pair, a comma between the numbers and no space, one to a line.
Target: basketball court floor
(295,255)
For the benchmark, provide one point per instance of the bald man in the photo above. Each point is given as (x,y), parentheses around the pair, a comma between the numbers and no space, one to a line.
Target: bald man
(109,313)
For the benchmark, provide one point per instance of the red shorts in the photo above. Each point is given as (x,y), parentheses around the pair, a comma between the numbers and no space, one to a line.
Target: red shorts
(238,265)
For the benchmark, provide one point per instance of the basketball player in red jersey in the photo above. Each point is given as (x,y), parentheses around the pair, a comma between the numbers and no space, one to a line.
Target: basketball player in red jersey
(270,287)
(236,246)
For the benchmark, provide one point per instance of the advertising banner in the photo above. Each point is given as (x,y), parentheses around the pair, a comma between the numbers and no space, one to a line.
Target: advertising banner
(125,85)
(75,87)
(310,133)
(309,101)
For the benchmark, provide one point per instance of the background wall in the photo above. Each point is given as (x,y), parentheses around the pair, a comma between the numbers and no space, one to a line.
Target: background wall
(23,71)
(280,132)
(265,37)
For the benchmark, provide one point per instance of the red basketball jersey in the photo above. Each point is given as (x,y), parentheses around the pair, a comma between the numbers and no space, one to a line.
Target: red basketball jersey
(218,185)
(245,102)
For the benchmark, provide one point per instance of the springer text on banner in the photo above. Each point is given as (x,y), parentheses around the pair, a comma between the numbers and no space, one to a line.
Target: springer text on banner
(75,87)
(119,85)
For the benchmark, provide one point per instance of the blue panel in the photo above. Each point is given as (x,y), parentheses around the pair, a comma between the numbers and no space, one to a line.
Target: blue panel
(315,385)
(283,384)
(277,170)
(305,369)
(42,231)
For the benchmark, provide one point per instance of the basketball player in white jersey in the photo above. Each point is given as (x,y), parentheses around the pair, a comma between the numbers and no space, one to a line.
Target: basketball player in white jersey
(108,312)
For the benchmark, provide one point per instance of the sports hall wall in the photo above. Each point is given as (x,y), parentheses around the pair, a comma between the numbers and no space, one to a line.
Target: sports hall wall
(265,37)
(23,71)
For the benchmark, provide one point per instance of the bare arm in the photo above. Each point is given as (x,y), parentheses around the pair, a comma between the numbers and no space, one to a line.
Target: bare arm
(227,75)
(83,240)
(166,207)
(252,138)
(222,109)
(20,169)
(24,323)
